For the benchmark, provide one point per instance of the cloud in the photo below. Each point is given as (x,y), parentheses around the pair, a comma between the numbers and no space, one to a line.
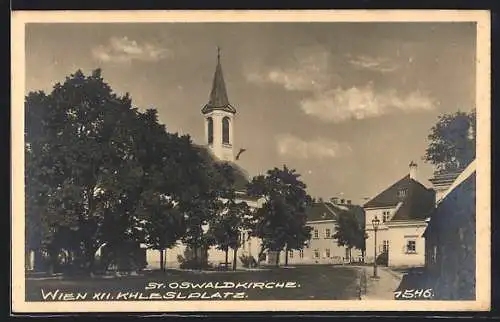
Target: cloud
(312,73)
(292,146)
(122,50)
(307,72)
(339,105)
(376,64)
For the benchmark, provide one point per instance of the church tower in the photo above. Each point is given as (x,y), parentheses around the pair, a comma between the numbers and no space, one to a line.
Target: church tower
(219,118)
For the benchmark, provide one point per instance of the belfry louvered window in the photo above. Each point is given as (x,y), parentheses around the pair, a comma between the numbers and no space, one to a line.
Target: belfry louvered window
(225,130)
(210,129)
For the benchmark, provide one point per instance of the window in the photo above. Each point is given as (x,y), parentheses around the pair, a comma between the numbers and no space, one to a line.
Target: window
(290,253)
(301,253)
(411,246)
(316,253)
(385,246)
(225,130)
(402,193)
(210,129)
(385,216)
(328,233)
(316,233)
(327,253)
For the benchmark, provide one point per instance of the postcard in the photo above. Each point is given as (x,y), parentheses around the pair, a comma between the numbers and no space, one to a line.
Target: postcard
(179,161)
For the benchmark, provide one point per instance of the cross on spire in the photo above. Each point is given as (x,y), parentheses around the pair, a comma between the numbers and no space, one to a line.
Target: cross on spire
(218,99)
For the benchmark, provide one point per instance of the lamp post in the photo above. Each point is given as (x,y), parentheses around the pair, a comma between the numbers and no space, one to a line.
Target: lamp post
(375,223)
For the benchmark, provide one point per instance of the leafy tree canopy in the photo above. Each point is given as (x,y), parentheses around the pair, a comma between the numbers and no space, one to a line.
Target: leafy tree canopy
(452,141)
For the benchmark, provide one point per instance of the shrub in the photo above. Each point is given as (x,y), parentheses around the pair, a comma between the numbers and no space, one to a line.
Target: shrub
(191,263)
(248,261)
(383,259)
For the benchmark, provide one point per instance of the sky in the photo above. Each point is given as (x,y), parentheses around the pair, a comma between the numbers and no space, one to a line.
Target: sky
(348,105)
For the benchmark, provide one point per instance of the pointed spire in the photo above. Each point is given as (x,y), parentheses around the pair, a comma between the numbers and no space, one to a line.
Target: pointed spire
(218,96)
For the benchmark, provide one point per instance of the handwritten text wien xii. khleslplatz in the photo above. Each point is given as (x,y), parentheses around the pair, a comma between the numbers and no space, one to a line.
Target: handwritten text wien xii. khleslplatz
(158,291)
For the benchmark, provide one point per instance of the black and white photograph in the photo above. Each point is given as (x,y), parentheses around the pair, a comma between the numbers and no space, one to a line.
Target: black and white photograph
(253,161)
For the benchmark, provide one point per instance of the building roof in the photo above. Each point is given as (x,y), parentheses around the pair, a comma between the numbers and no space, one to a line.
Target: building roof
(321,211)
(444,180)
(330,211)
(218,99)
(416,200)
(239,176)
(464,175)
(458,201)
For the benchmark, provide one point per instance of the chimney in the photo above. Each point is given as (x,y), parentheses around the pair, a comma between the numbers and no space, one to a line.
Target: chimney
(334,200)
(348,202)
(413,170)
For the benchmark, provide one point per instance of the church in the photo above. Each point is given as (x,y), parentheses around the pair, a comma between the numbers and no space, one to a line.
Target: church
(219,120)
(219,117)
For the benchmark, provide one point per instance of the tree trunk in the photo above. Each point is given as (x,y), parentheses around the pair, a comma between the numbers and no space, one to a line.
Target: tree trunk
(38,260)
(195,249)
(52,262)
(286,256)
(235,254)
(162,268)
(27,259)
(260,255)
(278,258)
(165,259)
(52,252)
(91,261)
(227,256)
(350,255)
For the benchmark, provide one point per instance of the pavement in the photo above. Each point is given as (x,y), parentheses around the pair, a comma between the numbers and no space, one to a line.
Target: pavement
(381,288)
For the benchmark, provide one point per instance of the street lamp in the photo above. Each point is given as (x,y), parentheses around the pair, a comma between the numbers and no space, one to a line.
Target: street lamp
(375,223)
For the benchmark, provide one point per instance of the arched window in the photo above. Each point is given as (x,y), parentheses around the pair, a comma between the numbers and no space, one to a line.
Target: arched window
(210,125)
(225,130)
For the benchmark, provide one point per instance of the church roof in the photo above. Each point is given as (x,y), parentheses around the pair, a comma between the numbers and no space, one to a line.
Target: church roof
(218,96)
(239,176)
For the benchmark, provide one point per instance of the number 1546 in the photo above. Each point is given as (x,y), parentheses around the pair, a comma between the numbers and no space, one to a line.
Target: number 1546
(414,294)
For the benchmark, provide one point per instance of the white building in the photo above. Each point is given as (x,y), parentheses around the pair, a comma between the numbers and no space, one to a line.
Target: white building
(402,209)
(323,248)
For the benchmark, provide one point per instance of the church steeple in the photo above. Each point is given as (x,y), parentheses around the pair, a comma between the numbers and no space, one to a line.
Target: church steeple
(219,117)
(218,99)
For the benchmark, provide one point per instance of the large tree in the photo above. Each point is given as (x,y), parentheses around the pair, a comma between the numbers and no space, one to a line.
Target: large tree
(166,162)
(82,141)
(349,232)
(226,227)
(91,157)
(281,221)
(163,222)
(452,141)
(208,183)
